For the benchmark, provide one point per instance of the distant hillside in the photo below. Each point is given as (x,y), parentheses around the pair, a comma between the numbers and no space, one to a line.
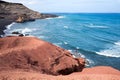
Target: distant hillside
(14,11)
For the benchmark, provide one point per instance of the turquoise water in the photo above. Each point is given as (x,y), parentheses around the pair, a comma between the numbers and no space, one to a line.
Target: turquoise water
(95,37)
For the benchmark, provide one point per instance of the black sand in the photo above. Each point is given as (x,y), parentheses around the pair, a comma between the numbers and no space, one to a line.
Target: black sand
(3,24)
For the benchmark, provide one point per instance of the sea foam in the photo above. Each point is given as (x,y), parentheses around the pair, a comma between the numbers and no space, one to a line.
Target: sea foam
(96,26)
(65,43)
(9,26)
(89,62)
(59,17)
(25,30)
(77,54)
(66,27)
(113,51)
(6,31)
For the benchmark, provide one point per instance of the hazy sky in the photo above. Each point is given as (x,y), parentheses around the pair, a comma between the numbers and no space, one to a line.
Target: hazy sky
(112,6)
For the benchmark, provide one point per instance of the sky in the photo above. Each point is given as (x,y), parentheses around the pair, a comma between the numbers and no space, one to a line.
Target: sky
(73,6)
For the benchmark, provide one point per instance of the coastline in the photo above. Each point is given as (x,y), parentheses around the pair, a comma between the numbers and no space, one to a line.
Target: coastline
(17,12)
(96,73)
(3,24)
(32,58)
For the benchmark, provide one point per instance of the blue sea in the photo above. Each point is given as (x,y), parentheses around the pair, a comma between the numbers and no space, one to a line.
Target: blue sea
(95,37)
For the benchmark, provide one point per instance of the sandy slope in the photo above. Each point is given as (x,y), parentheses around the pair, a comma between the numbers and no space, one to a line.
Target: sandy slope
(96,73)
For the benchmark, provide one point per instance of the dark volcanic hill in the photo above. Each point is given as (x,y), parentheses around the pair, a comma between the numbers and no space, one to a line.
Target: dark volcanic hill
(16,10)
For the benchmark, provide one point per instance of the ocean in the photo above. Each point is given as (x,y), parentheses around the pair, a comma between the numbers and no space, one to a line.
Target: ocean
(93,36)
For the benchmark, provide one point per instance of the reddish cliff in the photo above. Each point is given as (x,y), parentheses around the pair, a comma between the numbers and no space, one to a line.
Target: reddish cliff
(30,53)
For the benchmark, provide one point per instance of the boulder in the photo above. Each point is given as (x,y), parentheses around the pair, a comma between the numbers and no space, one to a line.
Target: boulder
(15,32)
(33,54)
(21,35)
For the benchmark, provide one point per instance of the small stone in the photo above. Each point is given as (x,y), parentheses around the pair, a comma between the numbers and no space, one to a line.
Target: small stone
(21,35)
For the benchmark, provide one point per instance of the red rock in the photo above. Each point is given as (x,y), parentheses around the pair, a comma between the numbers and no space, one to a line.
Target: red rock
(30,53)
(95,73)
(100,70)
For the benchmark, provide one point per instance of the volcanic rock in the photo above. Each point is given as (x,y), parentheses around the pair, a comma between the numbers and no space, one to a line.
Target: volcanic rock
(30,53)
(20,13)
(17,12)
(15,32)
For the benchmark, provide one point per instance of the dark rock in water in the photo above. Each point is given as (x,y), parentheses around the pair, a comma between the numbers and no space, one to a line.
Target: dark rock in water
(26,34)
(21,35)
(15,33)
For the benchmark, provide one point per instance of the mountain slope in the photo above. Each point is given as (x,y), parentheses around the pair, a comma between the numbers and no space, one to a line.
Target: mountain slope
(15,10)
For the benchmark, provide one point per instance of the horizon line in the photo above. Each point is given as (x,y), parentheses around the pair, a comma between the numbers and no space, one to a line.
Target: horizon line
(85,12)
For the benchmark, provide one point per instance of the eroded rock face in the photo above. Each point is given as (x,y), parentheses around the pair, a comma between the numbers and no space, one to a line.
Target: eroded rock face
(23,18)
(29,53)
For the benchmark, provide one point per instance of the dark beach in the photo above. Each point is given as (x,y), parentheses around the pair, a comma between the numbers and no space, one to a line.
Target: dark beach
(3,24)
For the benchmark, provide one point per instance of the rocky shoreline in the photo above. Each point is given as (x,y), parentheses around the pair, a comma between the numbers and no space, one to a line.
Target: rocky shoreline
(17,12)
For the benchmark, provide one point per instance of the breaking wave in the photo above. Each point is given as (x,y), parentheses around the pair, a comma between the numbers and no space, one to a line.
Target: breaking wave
(6,31)
(59,17)
(25,30)
(9,26)
(113,51)
(76,54)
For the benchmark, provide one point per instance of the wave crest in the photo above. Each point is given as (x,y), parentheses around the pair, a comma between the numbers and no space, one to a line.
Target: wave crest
(25,30)
(113,51)
(59,17)
(96,26)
